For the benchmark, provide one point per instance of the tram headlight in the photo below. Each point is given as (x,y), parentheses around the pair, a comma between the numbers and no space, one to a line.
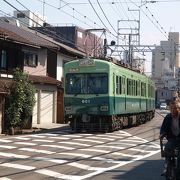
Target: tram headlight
(104,108)
(68,108)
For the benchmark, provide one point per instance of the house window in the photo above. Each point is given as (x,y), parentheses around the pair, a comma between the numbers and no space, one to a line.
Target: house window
(3,59)
(30,59)
(20,15)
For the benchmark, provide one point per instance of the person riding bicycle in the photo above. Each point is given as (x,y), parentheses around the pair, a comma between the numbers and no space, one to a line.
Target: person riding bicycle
(170,128)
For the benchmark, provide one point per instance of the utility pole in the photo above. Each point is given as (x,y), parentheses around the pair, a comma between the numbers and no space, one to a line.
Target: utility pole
(178,82)
(96,44)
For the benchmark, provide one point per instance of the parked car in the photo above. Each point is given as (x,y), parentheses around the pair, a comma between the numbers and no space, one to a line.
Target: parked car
(163,106)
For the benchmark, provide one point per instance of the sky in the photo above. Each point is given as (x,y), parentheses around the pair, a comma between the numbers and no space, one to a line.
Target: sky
(157,18)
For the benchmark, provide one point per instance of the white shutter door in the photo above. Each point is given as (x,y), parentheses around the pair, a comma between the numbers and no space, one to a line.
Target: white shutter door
(46,107)
(34,117)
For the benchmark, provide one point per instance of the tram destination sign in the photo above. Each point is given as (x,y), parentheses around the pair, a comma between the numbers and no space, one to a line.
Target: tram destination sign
(86,62)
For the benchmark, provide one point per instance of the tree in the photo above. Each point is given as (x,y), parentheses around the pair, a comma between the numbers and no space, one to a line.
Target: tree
(20,101)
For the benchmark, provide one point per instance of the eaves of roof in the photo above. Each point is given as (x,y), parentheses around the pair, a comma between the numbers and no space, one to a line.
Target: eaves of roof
(21,35)
(61,45)
(44,80)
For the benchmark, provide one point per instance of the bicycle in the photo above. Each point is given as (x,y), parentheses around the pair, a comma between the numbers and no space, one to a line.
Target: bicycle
(171,168)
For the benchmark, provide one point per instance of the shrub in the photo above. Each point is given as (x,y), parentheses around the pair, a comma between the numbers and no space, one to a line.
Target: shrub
(20,101)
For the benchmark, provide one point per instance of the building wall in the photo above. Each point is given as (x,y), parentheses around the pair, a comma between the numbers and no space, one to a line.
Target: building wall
(165,63)
(157,62)
(61,59)
(41,68)
(34,20)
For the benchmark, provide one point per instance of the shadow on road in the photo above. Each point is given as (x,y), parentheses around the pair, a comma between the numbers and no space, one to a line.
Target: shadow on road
(141,170)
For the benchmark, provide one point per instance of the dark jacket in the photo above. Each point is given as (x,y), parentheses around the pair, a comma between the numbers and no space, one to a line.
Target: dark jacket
(166,126)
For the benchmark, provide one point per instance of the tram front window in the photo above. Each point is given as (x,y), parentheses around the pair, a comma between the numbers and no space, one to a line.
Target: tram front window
(93,83)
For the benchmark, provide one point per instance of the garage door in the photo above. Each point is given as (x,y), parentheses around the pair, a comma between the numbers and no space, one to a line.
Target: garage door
(46,107)
(34,117)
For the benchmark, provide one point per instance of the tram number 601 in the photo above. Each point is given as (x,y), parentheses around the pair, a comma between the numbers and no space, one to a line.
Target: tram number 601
(85,101)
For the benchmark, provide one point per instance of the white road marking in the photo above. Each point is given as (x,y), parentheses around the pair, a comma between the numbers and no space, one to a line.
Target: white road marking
(17,166)
(37,150)
(88,140)
(140,150)
(116,166)
(60,147)
(5,141)
(138,144)
(7,147)
(130,140)
(37,136)
(13,155)
(97,171)
(76,154)
(128,155)
(57,175)
(85,134)
(95,150)
(85,167)
(58,161)
(101,138)
(118,143)
(49,134)
(22,138)
(5,178)
(74,143)
(124,133)
(148,145)
(113,147)
(62,138)
(69,135)
(137,139)
(110,136)
(106,160)
(42,140)
(26,143)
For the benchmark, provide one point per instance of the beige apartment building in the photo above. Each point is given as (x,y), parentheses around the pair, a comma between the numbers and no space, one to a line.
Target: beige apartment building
(165,68)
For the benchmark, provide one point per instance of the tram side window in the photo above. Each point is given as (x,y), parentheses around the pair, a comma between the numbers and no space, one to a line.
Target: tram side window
(118,85)
(143,89)
(129,87)
(123,85)
(136,88)
(150,90)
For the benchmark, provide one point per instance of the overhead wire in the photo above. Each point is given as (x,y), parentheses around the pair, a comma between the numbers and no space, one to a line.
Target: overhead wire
(106,17)
(60,10)
(54,35)
(67,4)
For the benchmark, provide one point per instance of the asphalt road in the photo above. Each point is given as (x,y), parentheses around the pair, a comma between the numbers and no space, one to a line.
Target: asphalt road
(129,154)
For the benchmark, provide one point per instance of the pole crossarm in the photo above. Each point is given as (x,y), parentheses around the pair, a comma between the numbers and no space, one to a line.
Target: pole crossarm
(138,48)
